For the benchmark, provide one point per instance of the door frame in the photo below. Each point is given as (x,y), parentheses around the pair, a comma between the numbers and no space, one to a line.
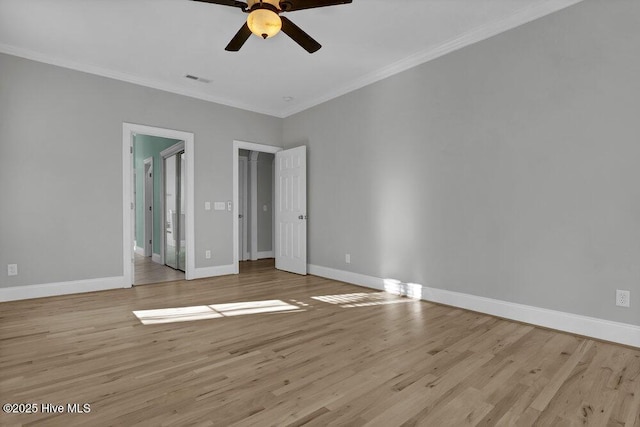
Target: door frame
(129,130)
(147,196)
(237,146)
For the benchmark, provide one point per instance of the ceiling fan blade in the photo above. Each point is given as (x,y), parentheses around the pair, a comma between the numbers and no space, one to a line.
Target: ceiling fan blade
(238,40)
(299,36)
(234,3)
(291,5)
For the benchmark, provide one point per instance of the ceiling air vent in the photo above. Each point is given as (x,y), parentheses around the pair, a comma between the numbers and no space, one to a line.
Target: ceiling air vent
(198,79)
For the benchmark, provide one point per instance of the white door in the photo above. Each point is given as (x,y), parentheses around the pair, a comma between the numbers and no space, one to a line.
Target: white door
(174,206)
(171,203)
(291,210)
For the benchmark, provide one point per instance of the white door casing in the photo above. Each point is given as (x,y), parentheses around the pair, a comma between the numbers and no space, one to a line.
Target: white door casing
(291,210)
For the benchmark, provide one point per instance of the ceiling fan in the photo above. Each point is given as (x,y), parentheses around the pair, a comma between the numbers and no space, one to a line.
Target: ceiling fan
(264,20)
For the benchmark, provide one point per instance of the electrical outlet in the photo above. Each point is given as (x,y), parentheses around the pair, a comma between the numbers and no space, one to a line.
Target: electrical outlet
(623,298)
(347,258)
(207,254)
(12,270)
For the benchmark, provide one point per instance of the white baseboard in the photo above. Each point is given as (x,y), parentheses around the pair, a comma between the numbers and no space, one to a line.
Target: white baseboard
(156,258)
(139,251)
(62,288)
(221,270)
(607,330)
(346,276)
(90,285)
(265,254)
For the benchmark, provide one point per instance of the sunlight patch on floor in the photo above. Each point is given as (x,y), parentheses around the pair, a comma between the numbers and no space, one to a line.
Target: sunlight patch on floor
(253,307)
(213,311)
(361,299)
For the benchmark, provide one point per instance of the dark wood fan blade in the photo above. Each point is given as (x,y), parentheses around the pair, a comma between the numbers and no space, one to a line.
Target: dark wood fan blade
(299,36)
(238,40)
(242,5)
(291,5)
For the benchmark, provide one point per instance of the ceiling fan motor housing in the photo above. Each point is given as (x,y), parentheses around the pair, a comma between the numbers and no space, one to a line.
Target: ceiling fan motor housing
(264,3)
(286,5)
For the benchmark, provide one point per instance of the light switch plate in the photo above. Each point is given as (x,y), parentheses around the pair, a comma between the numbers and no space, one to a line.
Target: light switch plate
(207,206)
(219,206)
(12,270)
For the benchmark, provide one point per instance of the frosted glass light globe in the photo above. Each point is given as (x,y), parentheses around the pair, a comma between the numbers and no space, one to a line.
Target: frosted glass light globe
(264,23)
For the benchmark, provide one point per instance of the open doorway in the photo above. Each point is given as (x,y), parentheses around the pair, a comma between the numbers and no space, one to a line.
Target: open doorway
(146,151)
(255,205)
(289,201)
(158,209)
(253,221)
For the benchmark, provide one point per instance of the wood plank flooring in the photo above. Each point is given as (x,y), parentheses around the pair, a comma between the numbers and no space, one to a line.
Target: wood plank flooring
(147,272)
(336,355)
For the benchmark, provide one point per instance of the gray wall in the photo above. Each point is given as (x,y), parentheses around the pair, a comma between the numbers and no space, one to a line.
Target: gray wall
(509,169)
(60,188)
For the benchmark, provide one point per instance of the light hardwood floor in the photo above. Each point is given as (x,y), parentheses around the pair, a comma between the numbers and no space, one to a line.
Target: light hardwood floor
(337,355)
(147,272)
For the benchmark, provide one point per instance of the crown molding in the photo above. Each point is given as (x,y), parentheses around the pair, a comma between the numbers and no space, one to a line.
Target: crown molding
(125,77)
(475,35)
(522,16)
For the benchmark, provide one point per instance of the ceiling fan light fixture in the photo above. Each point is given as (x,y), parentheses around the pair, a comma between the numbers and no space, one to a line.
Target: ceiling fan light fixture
(264,23)
(264,20)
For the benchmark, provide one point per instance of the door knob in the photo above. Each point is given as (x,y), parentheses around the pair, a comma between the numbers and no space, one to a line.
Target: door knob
(302,217)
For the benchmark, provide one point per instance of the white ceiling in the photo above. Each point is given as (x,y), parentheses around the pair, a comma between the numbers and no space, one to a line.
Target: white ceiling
(157,42)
